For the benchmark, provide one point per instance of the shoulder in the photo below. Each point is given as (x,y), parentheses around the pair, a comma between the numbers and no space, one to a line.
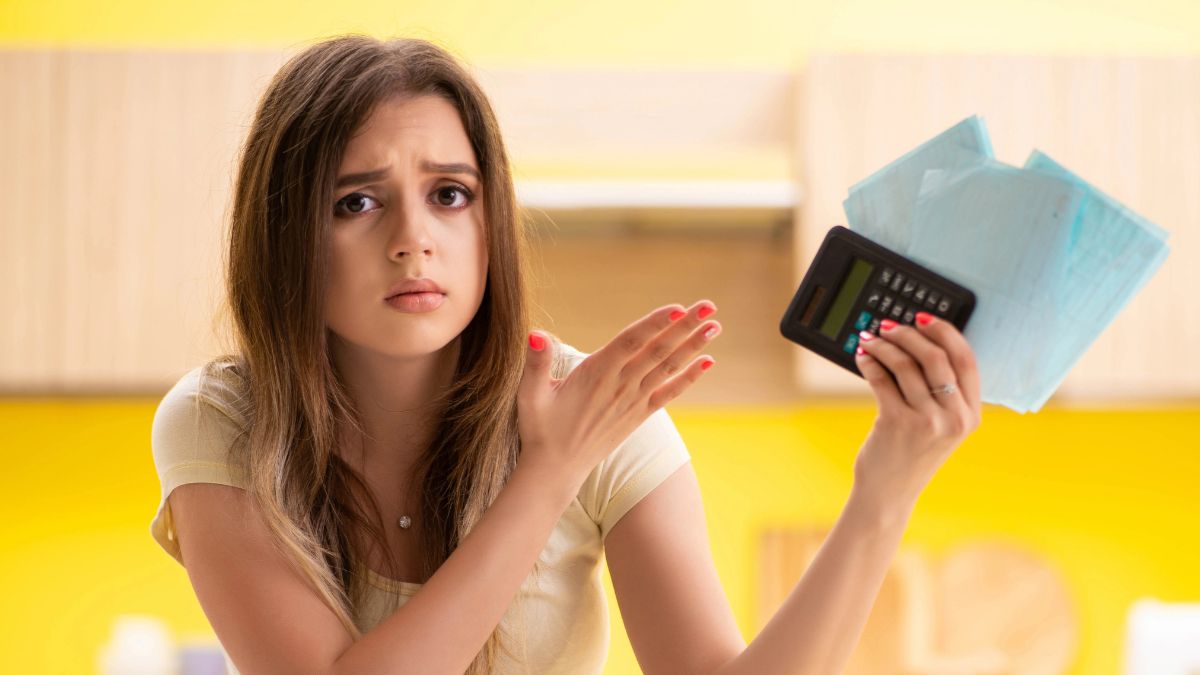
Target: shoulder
(196,424)
(199,417)
(651,453)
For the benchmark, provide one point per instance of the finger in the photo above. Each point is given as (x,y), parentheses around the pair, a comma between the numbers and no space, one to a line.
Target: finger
(934,361)
(909,376)
(679,383)
(682,356)
(538,359)
(634,338)
(962,357)
(881,381)
(665,346)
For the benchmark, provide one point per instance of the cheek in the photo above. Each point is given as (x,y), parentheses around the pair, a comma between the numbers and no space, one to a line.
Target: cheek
(341,285)
(479,247)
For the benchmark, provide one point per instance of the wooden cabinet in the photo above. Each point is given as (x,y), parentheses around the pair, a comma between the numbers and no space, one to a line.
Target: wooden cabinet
(653,185)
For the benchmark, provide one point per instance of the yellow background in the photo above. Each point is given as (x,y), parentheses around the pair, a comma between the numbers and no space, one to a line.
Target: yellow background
(634,32)
(1107,496)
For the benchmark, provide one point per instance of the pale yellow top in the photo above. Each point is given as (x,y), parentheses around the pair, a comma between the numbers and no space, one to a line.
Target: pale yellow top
(565,610)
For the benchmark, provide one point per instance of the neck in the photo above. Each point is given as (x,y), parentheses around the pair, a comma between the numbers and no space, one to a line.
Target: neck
(396,399)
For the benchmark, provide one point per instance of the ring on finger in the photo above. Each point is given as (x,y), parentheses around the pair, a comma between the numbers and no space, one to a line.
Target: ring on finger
(945,389)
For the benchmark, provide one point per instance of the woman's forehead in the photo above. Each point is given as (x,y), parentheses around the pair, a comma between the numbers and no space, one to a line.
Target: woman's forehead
(400,129)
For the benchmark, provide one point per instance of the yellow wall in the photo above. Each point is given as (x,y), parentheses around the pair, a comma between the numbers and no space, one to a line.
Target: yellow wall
(708,32)
(1108,497)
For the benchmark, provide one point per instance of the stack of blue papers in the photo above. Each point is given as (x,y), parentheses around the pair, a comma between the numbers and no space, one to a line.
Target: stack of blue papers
(1050,258)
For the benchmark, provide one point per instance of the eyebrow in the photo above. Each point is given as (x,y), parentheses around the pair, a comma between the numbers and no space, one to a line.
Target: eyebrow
(431,167)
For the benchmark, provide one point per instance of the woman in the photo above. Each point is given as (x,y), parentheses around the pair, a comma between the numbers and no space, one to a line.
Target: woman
(394,474)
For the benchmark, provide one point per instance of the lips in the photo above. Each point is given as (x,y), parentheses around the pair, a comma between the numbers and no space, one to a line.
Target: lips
(416,302)
(413,285)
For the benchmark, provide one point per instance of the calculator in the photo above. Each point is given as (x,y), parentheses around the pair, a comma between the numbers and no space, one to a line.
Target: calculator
(853,284)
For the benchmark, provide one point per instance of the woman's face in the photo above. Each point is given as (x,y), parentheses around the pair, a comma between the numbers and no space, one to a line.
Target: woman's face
(420,215)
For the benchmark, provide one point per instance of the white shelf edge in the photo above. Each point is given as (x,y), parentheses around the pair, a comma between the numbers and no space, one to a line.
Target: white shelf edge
(601,194)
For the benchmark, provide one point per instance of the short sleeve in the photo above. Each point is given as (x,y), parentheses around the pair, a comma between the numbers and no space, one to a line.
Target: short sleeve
(651,453)
(190,438)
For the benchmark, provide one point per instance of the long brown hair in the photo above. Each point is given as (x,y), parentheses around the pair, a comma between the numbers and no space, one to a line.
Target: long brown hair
(295,403)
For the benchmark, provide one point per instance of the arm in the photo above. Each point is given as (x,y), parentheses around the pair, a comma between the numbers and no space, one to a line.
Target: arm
(271,621)
(915,432)
(818,625)
(441,629)
(662,572)
(678,617)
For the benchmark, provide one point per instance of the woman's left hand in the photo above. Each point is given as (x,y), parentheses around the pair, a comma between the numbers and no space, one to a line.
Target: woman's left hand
(916,429)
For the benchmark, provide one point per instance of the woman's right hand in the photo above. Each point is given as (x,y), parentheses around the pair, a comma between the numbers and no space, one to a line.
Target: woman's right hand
(568,425)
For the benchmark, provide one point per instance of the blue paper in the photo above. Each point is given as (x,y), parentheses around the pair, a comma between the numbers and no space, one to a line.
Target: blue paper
(1113,253)
(881,206)
(1050,259)
(1002,232)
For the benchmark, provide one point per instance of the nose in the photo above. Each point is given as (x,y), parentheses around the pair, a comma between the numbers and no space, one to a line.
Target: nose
(409,234)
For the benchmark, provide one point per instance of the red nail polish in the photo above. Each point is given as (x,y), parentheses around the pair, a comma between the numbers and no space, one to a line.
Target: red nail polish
(924,318)
(705,311)
(887,324)
(678,314)
(537,342)
(705,365)
(860,351)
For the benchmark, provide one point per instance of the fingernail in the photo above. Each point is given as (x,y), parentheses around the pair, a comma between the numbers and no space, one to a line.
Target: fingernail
(859,351)
(710,333)
(678,314)
(537,342)
(865,335)
(706,311)
(924,318)
(706,364)
(887,324)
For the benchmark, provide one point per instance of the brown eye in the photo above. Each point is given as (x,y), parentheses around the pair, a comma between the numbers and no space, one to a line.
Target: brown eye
(449,197)
(353,203)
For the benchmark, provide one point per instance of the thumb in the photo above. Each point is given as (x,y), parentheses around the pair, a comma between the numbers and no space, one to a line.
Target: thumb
(539,356)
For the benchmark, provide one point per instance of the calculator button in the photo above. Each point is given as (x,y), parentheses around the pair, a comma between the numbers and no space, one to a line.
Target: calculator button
(851,343)
(885,277)
(932,300)
(897,310)
(886,304)
(944,306)
(863,319)
(897,281)
(919,296)
(873,299)
(874,327)
(909,287)
(908,317)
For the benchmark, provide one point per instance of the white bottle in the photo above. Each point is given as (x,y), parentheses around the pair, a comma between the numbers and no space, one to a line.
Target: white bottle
(140,645)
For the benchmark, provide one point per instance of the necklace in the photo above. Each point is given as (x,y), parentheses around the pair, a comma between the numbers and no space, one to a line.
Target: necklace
(404,522)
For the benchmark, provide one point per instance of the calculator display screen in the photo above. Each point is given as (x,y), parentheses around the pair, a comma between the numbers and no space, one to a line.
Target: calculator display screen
(860,273)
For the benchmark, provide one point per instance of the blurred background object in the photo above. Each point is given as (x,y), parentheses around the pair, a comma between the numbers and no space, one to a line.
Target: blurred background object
(144,645)
(982,608)
(663,152)
(1163,638)
(140,645)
